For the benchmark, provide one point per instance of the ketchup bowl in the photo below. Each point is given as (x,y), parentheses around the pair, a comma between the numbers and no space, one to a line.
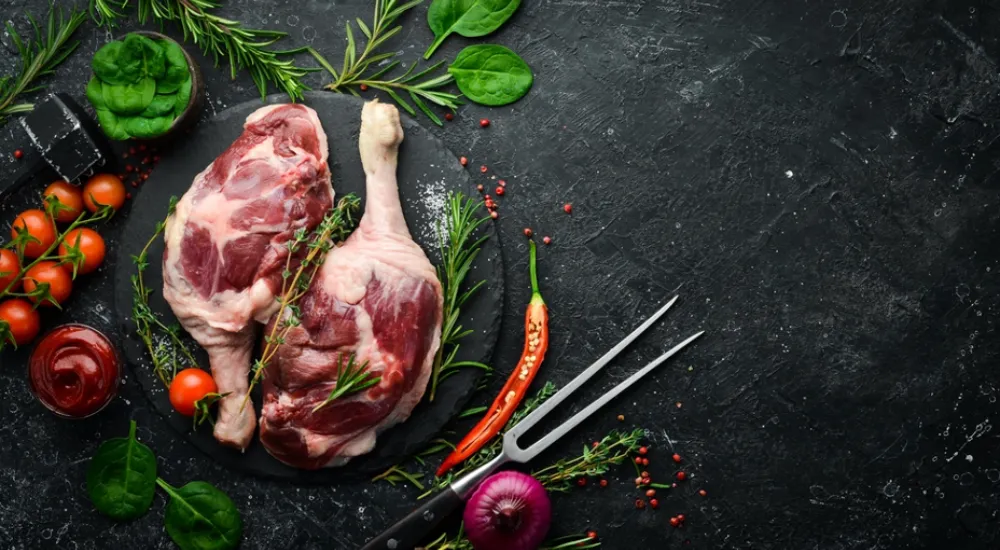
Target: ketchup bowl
(74,371)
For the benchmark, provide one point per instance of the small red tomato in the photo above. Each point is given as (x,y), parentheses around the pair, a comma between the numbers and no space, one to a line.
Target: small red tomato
(22,320)
(70,200)
(104,190)
(40,226)
(10,268)
(91,246)
(188,386)
(50,273)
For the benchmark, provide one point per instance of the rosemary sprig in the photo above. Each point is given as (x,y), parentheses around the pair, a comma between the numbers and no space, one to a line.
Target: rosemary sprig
(354,74)
(39,57)
(459,249)
(351,378)
(219,37)
(335,227)
(166,349)
(614,449)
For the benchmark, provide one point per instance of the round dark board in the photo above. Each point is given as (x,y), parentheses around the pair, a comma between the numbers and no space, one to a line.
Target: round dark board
(427,171)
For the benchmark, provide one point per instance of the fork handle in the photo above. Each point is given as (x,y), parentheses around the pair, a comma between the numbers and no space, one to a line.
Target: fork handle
(416,527)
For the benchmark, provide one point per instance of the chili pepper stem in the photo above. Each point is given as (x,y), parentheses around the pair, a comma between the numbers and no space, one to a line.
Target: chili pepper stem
(536,295)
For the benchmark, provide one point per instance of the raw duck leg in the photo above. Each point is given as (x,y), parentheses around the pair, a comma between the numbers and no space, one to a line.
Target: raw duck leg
(378,297)
(225,244)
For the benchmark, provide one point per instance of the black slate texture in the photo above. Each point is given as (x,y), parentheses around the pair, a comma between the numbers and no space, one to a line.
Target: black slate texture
(818,180)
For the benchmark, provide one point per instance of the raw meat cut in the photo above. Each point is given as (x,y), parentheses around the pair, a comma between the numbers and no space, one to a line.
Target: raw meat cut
(225,244)
(378,297)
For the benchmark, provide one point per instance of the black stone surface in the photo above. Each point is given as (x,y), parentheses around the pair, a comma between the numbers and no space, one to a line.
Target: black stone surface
(818,180)
(427,172)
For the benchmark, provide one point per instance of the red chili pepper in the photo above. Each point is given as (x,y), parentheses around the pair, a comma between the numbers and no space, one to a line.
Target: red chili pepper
(536,342)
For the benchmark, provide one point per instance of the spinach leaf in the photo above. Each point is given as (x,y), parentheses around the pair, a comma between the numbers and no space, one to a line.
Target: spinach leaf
(176,68)
(112,124)
(489,74)
(153,56)
(121,478)
(469,18)
(162,105)
(142,127)
(201,517)
(130,99)
(95,93)
(183,97)
(114,64)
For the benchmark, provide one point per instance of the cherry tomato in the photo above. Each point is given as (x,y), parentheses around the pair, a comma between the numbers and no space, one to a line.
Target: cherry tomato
(103,189)
(39,226)
(10,268)
(60,282)
(70,198)
(90,244)
(188,386)
(22,320)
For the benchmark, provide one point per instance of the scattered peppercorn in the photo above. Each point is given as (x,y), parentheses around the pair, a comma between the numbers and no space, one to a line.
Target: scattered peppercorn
(528,232)
(480,187)
(643,451)
(621,417)
(142,147)
(129,168)
(364,87)
(604,483)
(503,183)
(646,481)
(484,122)
(644,474)
(645,462)
(640,504)
(674,522)
(499,191)
(18,154)
(679,404)
(124,155)
(651,493)
(145,176)
(591,534)
(654,504)
(703,493)
(494,214)
(464,161)
(638,480)
(568,208)
(449,117)
(582,482)
(483,169)
(128,196)
(680,518)
(681,476)
(677,458)
(547,240)
(131,150)
(135,184)
(638,460)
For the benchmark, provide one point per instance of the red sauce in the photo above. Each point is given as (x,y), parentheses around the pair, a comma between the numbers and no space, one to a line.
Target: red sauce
(74,371)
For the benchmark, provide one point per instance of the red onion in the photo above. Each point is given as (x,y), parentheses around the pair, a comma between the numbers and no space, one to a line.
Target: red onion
(509,511)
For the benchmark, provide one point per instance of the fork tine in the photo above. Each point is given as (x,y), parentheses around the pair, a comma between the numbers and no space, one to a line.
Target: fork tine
(579,417)
(554,401)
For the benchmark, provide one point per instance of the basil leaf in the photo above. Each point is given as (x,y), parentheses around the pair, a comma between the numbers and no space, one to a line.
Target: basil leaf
(469,18)
(112,124)
(142,127)
(162,105)
(114,64)
(129,99)
(490,74)
(121,478)
(95,94)
(176,68)
(201,517)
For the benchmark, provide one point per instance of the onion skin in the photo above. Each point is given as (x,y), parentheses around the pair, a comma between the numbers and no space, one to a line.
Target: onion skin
(509,511)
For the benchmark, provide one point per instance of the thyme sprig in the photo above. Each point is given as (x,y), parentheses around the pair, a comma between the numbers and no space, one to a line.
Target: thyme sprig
(459,248)
(219,37)
(614,449)
(461,542)
(351,378)
(167,350)
(39,57)
(360,69)
(335,228)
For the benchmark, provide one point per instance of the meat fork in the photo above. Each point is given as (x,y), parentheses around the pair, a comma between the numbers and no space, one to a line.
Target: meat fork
(412,529)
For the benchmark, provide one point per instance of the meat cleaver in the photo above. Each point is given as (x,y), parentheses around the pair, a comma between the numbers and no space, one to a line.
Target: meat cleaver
(65,144)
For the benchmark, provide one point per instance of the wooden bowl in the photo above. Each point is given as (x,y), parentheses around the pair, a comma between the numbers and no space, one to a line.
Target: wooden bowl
(189,116)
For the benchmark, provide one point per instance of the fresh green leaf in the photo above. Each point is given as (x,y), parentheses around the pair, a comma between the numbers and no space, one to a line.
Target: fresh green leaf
(129,99)
(469,18)
(95,94)
(121,478)
(113,64)
(153,57)
(112,124)
(142,127)
(201,517)
(183,97)
(162,105)
(177,70)
(490,74)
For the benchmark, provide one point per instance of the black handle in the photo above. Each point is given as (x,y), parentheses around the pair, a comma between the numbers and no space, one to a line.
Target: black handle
(414,528)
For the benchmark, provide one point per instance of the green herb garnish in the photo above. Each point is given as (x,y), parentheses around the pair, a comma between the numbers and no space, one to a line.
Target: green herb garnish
(469,18)
(121,478)
(491,75)
(201,517)
(351,378)
(461,542)
(39,58)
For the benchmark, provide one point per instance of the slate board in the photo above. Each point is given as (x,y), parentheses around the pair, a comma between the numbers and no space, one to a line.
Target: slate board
(427,170)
